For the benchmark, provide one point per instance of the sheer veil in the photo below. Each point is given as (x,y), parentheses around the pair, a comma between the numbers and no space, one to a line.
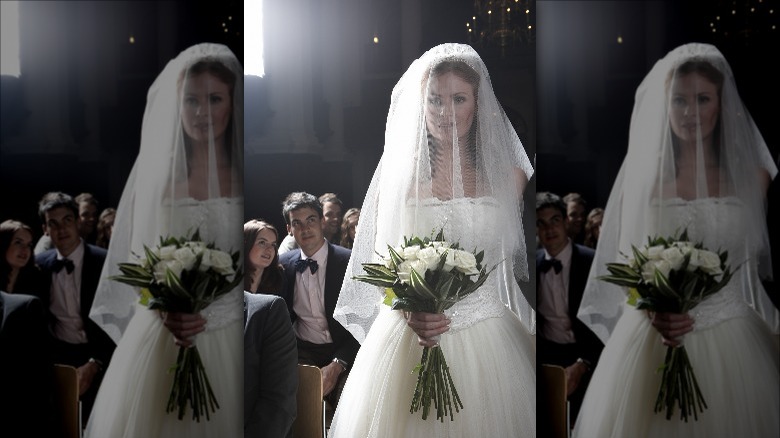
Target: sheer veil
(720,158)
(436,152)
(165,176)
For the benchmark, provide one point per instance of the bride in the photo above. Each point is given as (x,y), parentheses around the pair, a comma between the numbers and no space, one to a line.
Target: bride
(188,176)
(695,161)
(451,160)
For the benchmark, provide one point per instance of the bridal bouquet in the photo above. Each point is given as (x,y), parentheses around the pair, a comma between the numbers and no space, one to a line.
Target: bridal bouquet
(184,275)
(673,275)
(428,275)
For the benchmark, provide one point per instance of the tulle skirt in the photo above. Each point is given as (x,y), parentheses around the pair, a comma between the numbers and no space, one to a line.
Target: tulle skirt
(133,396)
(492,366)
(736,363)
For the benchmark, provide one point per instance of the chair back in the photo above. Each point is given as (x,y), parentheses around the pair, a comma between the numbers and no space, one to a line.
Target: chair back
(553,404)
(310,421)
(66,401)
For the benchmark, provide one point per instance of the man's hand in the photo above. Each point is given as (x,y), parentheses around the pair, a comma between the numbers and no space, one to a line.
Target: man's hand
(574,373)
(184,326)
(672,326)
(330,376)
(428,326)
(86,374)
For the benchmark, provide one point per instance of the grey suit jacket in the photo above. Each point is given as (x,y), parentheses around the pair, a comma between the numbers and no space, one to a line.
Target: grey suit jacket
(270,367)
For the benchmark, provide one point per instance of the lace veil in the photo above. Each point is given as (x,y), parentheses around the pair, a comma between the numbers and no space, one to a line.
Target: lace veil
(447,141)
(191,151)
(692,144)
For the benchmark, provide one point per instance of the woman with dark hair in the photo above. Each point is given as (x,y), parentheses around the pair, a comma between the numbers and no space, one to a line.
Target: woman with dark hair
(262,271)
(593,227)
(104,227)
(18,273)
(696,161)
(349,227)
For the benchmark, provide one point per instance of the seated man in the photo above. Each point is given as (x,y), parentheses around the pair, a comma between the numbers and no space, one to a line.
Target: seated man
(314,273)
(562,269)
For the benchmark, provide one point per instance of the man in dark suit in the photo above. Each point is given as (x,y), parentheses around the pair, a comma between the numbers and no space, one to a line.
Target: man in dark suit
(562,269)
(71,273)
(270,367)
(315,271)
(26,368)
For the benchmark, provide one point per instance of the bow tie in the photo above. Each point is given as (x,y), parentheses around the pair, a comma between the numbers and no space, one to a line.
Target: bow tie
(301,265)
(63,263)
(551,263)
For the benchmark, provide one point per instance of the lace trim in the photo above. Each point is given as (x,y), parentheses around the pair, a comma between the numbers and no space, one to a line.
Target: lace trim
(224,311)
(477,307)
(722,306)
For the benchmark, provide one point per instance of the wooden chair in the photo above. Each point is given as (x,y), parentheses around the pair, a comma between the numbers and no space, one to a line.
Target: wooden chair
(553,408)
(310,421)
(66,401)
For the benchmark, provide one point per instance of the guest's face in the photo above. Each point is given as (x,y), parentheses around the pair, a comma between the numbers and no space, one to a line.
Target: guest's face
(332,213)
(450,105)
(88,215)
(551,229)
(306,226)
(20,249)
(694,107)
(352,223)
(63,228)
(575,213)
(264,250)
(206,106)
(596,225)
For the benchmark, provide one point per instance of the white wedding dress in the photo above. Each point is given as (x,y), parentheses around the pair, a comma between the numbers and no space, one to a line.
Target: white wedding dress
(134,393)
(733,353)
(489,352)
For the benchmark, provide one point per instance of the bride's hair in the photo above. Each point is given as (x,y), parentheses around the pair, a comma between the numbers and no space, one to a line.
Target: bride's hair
(463,71)
(709,72)
(226,76)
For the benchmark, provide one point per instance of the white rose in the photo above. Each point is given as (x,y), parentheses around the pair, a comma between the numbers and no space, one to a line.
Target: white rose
(449,262)
(430,256)
(466,262)
(649,268)
(709,262)
(438,244)
(166,252)
(196,247)
(420,267)
(404,271)
(161,267)
(654,252)
(410,252)
(221,261)
(694,262)
(674,256)
(186,257)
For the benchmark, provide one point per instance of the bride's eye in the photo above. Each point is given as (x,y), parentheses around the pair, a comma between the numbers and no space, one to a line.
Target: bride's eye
(190,101)
(702,99)
(436,101)
(678,101)
(214,99)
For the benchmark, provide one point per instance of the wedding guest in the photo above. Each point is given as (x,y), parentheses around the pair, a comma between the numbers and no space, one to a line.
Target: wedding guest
(18,272)
(314,274)
(188,177)
(71,271)
(562,268)
(26,368)
(696,161)
(332,212)
(593,227)
(88,208)
(576,209)
(262,271)
(105,226)
(349,227)
(270,367)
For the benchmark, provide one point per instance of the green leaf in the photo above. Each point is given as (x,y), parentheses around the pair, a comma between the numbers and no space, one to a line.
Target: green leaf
(389,297)
(421,287)
(394,256)
(375,281)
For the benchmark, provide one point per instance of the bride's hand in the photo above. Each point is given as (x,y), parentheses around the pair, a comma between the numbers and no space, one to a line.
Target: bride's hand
(428,326)
(672,326)
(184,326)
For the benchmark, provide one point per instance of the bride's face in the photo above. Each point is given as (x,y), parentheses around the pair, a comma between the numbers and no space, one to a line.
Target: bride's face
(450,104)
(694,107)
(206,106)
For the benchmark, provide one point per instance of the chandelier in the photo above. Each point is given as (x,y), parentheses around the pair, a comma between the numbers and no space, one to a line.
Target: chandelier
(502,23)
